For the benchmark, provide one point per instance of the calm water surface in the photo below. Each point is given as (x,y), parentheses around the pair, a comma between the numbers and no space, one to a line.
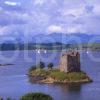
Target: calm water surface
(14,81)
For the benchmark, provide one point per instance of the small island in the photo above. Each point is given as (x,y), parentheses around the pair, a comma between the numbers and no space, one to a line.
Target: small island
(69,71)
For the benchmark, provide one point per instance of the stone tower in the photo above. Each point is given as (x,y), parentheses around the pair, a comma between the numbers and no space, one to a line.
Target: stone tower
(70,62)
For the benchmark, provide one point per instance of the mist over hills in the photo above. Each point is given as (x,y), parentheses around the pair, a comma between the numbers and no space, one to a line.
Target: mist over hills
(54,41)
(53,38)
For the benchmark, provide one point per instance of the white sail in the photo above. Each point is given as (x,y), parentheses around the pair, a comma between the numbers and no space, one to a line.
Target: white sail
(38,51)
(45,51)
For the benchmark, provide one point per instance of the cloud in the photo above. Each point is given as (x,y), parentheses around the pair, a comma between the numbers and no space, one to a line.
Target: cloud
(65,29)
(4,31)
(9,18)
(39,2)
(12,3)
(54,28)
(89,8)
(44,16)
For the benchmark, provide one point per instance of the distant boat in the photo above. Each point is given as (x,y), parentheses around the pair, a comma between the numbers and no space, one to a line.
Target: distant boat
(87,52)
(38,51)
(45,51)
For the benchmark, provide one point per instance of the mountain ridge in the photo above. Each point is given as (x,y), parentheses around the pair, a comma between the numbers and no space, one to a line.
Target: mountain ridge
(56,37)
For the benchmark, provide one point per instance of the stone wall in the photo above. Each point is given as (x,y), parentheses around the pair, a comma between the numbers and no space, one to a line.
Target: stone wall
(70,61)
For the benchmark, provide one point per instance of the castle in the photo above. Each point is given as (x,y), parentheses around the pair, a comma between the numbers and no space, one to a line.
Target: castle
(70,62)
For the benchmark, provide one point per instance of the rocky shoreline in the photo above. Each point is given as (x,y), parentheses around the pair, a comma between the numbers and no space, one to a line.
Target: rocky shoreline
(51,81)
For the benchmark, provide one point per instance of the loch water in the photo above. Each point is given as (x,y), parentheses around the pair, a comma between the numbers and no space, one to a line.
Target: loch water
(14,82)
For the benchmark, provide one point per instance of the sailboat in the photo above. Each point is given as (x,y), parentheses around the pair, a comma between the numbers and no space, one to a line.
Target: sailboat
(87,52)
(38,51)
(45,51)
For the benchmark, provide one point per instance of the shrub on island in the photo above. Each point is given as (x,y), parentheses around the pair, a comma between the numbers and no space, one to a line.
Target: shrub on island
(50,66)
(41,65)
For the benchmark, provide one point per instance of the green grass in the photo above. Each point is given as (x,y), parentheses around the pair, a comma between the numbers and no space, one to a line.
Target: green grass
(61,76)
(75,76)
(56,74)
(71,76)
(39,72)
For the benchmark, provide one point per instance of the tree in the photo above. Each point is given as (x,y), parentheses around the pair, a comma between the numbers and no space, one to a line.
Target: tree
(50,65)
(36,96)
(41,65)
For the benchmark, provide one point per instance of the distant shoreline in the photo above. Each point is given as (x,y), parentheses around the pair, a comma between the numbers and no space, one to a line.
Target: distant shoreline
(50,50)
(49,46)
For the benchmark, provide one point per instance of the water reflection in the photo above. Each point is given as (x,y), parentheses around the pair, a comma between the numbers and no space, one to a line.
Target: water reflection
(69,91)
(72,87)
(61,91)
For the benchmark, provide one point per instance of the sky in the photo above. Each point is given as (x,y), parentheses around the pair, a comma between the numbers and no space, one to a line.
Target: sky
(49,16)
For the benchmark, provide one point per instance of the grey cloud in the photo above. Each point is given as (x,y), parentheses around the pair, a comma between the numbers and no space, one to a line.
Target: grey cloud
(31,17)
